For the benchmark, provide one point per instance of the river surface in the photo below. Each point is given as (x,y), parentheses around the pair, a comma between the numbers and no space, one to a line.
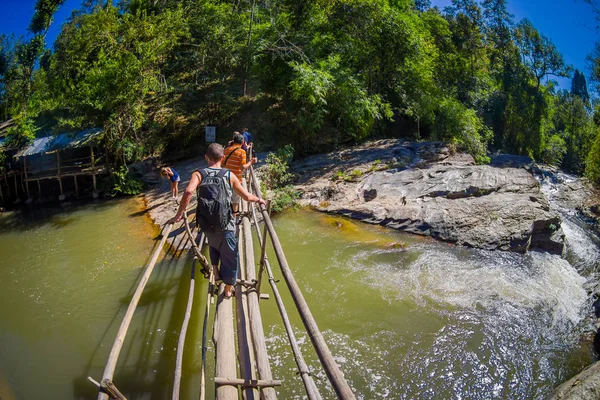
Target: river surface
(406,317)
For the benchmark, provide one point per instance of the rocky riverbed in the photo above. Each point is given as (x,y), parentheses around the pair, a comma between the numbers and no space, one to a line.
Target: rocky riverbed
(427,189)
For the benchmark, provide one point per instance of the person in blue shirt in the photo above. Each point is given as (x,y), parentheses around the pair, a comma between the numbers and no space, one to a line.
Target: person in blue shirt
(174,179)
(247,140)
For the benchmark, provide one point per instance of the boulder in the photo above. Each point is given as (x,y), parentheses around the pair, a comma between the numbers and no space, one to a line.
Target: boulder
(583,386)
(447,197)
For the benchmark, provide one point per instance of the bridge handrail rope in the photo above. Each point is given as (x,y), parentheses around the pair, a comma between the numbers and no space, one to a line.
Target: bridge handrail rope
(335,375)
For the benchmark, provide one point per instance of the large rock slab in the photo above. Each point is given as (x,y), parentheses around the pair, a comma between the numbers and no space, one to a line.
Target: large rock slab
(583,386)
(438,194)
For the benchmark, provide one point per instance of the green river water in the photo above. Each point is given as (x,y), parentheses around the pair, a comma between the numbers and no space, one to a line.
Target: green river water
(406,317)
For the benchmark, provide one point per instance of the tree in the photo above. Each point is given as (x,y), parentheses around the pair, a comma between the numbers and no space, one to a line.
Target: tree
(422,5)
(592,170)
(579,86)
(539,54)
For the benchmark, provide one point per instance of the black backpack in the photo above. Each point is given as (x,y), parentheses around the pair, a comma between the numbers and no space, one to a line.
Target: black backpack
(214,203)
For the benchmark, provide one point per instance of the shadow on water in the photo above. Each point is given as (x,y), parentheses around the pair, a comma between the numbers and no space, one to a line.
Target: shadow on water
(157,292)
(139,373)
(56,215)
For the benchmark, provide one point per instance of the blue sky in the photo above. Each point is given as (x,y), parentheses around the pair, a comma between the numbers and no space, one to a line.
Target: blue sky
(15,16)
(570,24)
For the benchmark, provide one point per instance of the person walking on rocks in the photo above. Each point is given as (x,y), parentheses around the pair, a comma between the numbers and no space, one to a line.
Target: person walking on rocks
(174,179)
(235,161)
(215,187)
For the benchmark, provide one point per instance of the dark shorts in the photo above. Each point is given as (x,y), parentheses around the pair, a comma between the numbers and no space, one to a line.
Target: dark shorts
(223,247)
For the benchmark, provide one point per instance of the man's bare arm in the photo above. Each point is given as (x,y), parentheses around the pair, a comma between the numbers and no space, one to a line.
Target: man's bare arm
(244,194)
(249,163)
(187,196)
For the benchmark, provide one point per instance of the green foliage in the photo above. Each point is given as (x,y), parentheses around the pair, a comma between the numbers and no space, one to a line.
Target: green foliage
(284,197)
(539,54)
(315,74)
(555,150)
(592,170)
(42,17)
(482,159)
(340,176)
(286,154)
(125,183)
(22,132)
(277,173)
(579,86)
(276,178)
(3,158)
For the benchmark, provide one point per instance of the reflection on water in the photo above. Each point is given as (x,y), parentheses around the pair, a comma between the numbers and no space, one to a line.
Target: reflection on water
(405,316)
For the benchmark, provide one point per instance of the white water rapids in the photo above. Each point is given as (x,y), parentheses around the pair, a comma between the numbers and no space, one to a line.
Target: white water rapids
(431,320)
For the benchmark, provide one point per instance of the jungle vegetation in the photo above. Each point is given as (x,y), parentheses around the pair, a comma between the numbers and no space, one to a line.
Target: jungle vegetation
(314,74)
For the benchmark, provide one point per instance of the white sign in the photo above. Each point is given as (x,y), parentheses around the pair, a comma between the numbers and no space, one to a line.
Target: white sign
(210,132)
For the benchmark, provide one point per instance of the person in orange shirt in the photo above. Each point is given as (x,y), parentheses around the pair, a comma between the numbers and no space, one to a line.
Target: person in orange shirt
(235,161)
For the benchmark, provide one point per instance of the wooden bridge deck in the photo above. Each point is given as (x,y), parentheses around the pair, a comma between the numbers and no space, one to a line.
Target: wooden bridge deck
(241,371)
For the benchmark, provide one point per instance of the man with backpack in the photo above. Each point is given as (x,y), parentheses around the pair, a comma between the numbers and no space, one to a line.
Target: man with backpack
(235,161)
(215,187)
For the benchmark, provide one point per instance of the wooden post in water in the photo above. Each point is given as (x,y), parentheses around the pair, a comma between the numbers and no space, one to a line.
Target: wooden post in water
(224,340)
(59,178)
(39,188)
(76,187)
(258,334)
(109,370)
(93,166)
(16,187)
(26,180)
(335,375)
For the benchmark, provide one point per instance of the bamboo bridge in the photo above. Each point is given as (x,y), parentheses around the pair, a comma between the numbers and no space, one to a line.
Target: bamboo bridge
(243,371)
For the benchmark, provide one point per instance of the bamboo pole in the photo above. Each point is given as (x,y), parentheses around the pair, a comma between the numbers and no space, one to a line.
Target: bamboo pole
(109,370)
(195,248)
(225,365)
(335,375)
(245,345)
(209,301)
(258,335)
(263,244)
(182,335)
(209,295)
(309,383)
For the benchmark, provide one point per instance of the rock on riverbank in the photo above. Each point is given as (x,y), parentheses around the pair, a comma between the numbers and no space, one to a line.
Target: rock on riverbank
(425,189)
